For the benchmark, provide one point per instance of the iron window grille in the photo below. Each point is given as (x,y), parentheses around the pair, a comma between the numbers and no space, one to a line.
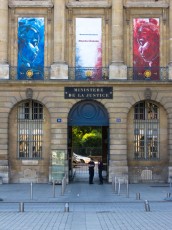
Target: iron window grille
(146,131)
(30,130)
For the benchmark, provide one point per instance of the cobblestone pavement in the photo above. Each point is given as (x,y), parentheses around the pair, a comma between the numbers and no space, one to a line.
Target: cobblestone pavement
(90,207)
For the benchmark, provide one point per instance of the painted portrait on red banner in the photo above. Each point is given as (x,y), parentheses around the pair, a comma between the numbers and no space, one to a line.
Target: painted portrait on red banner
(146,41)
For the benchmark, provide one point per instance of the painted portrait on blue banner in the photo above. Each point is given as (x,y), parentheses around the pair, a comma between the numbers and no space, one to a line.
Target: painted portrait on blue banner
(30,48)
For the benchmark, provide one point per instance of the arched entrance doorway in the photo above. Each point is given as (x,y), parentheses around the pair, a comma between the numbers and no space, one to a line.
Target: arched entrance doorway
(84,115)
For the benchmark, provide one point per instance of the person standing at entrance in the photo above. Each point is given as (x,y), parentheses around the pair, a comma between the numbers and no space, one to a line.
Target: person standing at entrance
(91,166)
(100,169)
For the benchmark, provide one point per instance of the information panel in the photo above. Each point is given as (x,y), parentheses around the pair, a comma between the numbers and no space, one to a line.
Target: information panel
(57,165)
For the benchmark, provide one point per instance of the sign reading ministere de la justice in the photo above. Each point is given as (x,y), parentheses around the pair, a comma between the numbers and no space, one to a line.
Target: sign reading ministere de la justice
(88,92)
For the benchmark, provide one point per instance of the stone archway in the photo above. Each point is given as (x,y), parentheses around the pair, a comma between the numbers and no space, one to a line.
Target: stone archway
(147,143)
(89,113)
(31,163)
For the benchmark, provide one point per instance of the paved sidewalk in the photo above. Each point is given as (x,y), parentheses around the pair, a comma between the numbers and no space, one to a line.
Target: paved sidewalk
(91,207)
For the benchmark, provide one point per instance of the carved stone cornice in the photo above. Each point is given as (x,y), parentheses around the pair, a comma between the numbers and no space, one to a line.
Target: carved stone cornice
(146,4)
(31,3)
(88,4)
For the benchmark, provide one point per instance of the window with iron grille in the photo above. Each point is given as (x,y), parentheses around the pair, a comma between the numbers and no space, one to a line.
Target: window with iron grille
(30,130)
(146,131)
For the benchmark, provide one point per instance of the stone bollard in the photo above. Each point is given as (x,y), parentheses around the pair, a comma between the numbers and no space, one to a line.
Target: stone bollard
(21,207)
(147,206)
(66,207)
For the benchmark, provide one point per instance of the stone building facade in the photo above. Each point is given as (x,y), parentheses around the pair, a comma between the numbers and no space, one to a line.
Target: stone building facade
(135,112)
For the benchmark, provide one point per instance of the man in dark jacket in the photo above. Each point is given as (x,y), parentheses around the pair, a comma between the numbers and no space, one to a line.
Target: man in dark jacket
(100,169)
(91,166)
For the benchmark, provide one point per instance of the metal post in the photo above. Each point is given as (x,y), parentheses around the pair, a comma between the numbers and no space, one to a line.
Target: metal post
(119,187)
(53,189)
(138,196)
(62,189)
(66,209)
(168,195)
(31,191)
(64,182)
(147,206)
(115,184)
(21,207)
(127,190)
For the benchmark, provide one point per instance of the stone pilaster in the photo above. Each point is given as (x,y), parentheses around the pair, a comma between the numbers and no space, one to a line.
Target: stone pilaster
(59,69)
(170,77)
(4,67)
(170,40)
(118,165)
(117,70)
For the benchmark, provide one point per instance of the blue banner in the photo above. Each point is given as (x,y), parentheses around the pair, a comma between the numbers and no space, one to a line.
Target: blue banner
(31,48)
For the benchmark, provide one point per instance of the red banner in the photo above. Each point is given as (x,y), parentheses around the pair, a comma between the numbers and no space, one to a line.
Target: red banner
(146,41)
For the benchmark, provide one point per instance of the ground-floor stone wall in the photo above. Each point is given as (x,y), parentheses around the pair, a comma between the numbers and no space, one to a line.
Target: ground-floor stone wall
(120,111)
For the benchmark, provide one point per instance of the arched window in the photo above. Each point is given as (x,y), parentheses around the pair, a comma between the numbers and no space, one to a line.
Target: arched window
(30,131)
(146,131)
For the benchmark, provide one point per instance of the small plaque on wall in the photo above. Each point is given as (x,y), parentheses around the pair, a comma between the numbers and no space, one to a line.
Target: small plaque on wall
(118,120)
